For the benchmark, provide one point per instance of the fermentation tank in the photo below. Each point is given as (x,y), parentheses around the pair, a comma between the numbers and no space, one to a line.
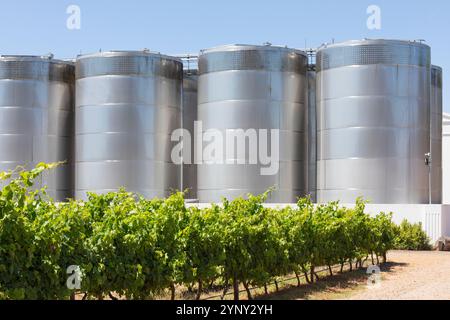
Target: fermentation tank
(128,103)
(253,92)
(190,80)
(373,121)
(36,118)
(436,134)
(312,133)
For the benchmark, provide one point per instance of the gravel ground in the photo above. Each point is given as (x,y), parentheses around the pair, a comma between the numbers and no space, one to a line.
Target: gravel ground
(413,276)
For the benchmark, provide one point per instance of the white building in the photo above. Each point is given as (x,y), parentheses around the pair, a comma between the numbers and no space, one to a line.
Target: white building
(446,158)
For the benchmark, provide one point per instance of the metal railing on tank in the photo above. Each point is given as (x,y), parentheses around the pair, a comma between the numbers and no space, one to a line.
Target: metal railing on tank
(311,53)
(190,62)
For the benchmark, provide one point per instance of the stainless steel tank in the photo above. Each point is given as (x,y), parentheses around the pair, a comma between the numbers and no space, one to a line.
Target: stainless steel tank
(373,121)
(436,134)
(36,118)
(244,87)
(128,103)
(312,134)
(190,80)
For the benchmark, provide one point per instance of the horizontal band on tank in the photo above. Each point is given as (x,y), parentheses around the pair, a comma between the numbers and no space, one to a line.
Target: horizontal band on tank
(16,163)
(129,63)
(49,190)
(277,197)
(118,119)
(228,162)
(386,190)
(263,101)
(125,132)
(282,161)
(368,190)
(36,68)
(406,159)
(261,191)
(371,96)
(128,105)
(268,58)
(148,194)
(367,52)
(116,189)
(42,108)
(118,161)
(36,136)
(231,130)
(413,126)
(221,193)
(21,107)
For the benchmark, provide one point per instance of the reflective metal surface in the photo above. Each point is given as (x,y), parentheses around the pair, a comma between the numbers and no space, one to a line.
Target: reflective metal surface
(373,121)
(190,80)
(312,135)
(436,134)
(127,106)
(36,118)
(254,87)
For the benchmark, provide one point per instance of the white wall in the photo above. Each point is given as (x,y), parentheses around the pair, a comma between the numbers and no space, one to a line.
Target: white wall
(446,159)
(435,219)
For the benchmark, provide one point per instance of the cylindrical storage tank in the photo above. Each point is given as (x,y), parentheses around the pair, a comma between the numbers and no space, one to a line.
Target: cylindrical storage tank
(190,80)
(253,93)
(36,118)
(373,121)
(128,103)
(436,134)
(312,134)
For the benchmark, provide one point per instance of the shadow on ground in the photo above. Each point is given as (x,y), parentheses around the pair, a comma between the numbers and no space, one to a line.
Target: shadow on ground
(328,285)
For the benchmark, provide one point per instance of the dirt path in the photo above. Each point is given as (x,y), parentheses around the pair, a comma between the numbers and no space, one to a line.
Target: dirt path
(406,276)
(413,276)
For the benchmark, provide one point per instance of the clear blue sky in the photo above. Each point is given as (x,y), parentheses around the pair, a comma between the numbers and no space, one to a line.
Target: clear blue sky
(173,26)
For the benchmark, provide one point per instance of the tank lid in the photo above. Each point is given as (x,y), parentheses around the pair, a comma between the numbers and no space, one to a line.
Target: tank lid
(436,68)
(33,58)
(373,52)
(126,63)
(127,53)
(41,68)
(367,41)
(243,47)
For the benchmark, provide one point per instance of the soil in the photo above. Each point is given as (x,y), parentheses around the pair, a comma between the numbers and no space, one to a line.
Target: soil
(414,276)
